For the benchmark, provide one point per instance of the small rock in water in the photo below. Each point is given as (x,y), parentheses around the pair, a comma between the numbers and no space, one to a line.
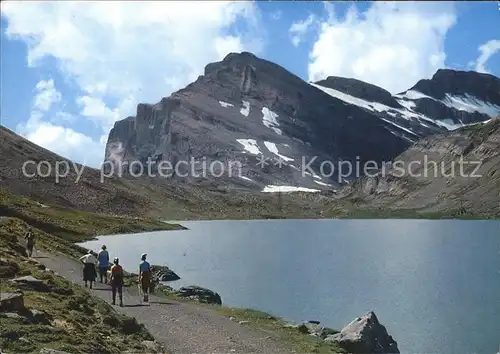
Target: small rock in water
(243,322)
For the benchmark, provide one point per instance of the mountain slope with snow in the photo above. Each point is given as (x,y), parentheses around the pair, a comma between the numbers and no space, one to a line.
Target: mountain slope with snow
(271,123)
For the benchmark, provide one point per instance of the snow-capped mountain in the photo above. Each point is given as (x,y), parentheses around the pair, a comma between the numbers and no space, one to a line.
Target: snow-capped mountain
(251,110)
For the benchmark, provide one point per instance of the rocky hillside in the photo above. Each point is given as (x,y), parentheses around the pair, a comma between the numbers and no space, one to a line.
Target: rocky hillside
(244,108)
(457,170)
(137,197)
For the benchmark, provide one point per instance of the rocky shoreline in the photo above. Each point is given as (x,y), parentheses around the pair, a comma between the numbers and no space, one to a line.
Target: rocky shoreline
(364,334)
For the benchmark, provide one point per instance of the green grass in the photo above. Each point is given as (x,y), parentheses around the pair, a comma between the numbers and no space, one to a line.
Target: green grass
(57,229)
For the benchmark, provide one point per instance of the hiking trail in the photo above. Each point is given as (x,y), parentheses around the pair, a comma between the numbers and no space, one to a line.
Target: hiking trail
(180,327)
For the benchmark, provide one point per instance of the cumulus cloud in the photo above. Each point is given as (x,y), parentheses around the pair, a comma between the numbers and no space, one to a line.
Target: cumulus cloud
(299,29)
(392,44)
(64,141)
(61,140)
(487,50)
(119,54)
(129,49)
(46,95)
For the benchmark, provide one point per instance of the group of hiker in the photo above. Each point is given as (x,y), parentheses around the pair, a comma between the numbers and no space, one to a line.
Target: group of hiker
(116,279)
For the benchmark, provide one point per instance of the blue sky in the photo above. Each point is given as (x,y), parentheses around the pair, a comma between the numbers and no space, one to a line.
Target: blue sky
(70,70)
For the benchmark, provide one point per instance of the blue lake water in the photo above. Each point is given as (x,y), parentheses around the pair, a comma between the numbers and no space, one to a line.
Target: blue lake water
(435,285)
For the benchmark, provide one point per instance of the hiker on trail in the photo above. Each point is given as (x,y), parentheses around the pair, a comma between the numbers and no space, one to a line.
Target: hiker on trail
(103,257)
(116,281)
(145,276)
(89,272)
(30,242)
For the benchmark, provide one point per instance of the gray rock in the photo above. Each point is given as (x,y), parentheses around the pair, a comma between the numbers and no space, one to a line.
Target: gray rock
(314,329)
(11,301)
(200,294)
(365,335)
(31,283)
(51,351)
(164,273)
(152,346)
(291,325)
(39,317)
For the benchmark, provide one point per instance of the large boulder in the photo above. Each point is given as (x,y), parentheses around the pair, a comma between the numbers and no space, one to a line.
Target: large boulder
(200,294)
(365,335)
(164,273)
(31,283)
(11,302)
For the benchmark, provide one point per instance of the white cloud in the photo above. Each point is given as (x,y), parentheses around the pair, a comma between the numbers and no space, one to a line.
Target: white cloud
(487,50)
(392,44)
(46,95)
(95,109)
(63,141)
(120,54)
(299,29)
(57,138)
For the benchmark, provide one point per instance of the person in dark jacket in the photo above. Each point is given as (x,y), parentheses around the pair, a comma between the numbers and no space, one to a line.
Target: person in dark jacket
(30,242)
(89,272)
(116,281)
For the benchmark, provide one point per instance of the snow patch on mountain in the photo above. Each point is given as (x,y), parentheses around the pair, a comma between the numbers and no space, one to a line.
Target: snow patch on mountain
(323,184)
(250,146)
(225,104)
(400,127)
(246,108)
(274,149)
(467,103)
(246,179)
(269,120)
(372,106)
(288,189)
(471,104)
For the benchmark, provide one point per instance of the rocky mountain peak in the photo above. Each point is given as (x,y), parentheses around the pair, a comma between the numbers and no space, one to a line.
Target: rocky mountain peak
(361,89)
(482,86)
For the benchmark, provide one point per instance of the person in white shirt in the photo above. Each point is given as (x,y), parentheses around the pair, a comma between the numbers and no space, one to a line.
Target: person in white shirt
(89,271)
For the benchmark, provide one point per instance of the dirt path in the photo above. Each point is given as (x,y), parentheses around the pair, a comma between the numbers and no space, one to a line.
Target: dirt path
(180,327)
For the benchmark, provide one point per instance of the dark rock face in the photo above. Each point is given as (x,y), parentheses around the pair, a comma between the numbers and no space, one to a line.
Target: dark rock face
(462,97)
(365,335)
(485,87)
(244,107)
(200,294)
(163,273)
(360,89)
(11,301)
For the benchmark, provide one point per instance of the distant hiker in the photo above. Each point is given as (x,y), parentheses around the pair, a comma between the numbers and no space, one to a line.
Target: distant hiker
(145,277)
(117,281)
(89,272)
(103,258)
(30,242)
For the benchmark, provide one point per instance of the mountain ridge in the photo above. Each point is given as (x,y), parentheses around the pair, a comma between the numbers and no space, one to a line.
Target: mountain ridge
(244,107)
